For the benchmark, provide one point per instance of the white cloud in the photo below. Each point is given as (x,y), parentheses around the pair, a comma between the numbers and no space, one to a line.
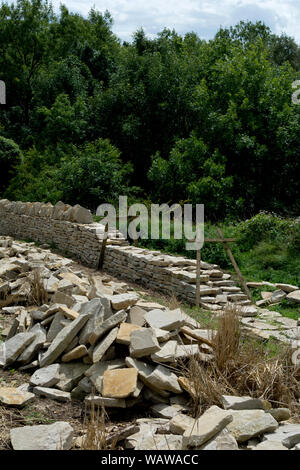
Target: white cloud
(202,16)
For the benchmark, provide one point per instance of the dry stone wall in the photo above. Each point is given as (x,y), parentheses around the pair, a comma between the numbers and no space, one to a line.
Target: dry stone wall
(72,230)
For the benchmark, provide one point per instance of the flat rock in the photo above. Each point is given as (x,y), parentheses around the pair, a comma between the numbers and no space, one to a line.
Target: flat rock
(14,397)
(124,332)
(222,441)
(163,379)
(101,348)
(76,353)
(96,310)
(269,445)
(213,421)
(231,402)
(287,287)
(122,301)
(106,402)
(62,340)
(13,347)
(136,316)
(52,393)
(180,423)
(165,320)
(161,410)
(96,372)
(119,383)
(247,424)
(287,434)
(294,296)
(31,350)
(107,325)
(70,374)
(143,342)
(46,376)
(57,436)
(280,414)
(167,352)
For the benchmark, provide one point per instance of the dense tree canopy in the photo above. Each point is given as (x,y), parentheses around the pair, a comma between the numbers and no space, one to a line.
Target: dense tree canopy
(88,118)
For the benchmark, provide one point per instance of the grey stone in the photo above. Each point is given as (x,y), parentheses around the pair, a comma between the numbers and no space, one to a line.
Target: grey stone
(247,424)
(213,421)
(180,423)
(287,434)
(122,301)
(95,309)
(52,393)
(63,339)
(101,348)
(13,347)
(222,441)
(143,343)
(167,353)
(106,402)
(161,410)
(46,376)
(168,320)
(231,402)
(136,316)
(269,445)
(70,374)
(57,436)
(280,414)
(40,338)
(107,325)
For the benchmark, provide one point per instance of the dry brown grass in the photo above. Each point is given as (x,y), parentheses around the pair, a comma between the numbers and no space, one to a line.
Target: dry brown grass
(38,294)
(95,437)
(243,367)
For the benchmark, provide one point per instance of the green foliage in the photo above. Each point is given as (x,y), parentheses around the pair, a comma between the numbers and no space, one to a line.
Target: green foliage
(201,121)
(89,175)
(10,157)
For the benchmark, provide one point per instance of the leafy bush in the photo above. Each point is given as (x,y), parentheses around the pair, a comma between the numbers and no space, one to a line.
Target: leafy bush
(10,157)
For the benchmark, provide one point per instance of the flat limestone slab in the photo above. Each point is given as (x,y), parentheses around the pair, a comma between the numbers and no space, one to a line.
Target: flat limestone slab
(107,325)
(165,320)
(57,436)
(46,376)
(53,393)
(143,342)
(13,347)
(13,397)
(106,402)
(124,332)
(122,301)
(231,402)
(119,383)
(213,421)
(102,347)
(250,423)
(63,339)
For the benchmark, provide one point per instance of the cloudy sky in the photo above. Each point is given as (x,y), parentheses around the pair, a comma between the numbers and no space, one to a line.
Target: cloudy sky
(202,16)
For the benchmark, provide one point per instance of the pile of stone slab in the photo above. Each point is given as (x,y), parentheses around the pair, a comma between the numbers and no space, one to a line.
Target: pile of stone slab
(242,423)
(280,292)
(97,340)
(90,335)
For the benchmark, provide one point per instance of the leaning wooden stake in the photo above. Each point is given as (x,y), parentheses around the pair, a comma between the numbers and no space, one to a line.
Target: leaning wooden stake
(103,247)
(234,263)
(198,277)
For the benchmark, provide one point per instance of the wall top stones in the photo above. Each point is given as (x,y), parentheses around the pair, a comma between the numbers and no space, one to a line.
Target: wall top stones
(76,214)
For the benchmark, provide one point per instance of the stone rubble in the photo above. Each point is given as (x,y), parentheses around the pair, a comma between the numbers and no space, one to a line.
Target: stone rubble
(95,340)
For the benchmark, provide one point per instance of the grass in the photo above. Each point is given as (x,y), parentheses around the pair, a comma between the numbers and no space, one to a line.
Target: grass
(38,293)
(243,366)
